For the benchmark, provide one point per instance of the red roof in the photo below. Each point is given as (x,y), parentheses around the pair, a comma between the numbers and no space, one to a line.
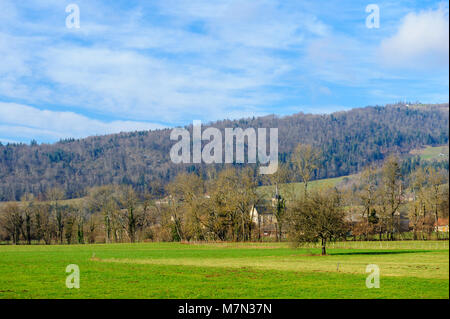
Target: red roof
(442,221)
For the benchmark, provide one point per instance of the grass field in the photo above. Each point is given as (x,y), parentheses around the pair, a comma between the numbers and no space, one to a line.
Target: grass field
(430,153)
(299,187)
(226,270)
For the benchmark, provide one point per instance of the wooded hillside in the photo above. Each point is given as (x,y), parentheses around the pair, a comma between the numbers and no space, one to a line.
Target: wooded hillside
(349,141)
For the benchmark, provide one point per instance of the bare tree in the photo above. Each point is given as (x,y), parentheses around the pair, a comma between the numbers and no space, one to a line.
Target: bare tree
(47,225)
(418,206)
(306,159)
(187,206)
(246,197)
(436,179)
(54,195)
(129,201)
(103,199)
(391,193)
(367,196)
(80,219)
(319,217)
(279,180)
(28,204)
(12,221)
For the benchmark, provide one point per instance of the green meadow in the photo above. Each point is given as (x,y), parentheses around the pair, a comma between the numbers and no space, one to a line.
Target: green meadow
(430,153)
(226,270)
(297,188)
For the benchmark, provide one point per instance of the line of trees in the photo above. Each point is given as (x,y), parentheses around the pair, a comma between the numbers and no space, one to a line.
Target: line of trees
(195,209)
(108,214)
(220,207)
(384,197)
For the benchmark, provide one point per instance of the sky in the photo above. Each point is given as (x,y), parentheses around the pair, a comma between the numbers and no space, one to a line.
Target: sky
(138,65)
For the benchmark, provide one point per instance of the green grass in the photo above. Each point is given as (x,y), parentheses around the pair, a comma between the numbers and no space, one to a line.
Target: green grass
(431,153)
(72,201)
(298,188)
(226,270)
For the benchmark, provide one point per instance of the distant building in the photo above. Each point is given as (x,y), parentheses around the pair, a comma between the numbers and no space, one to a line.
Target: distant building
(264,219)
(442,225)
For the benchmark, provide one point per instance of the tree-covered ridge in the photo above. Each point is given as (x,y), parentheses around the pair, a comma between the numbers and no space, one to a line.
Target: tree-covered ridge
(349,141)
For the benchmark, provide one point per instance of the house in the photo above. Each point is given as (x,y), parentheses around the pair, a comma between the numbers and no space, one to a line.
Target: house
(442,225)
(263,217)
(401,220)
(163,201)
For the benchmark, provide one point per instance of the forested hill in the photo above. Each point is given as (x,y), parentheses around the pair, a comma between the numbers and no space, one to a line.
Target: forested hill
(349,141)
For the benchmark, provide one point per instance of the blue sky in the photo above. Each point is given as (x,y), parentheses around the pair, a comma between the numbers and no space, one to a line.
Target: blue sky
(135,65)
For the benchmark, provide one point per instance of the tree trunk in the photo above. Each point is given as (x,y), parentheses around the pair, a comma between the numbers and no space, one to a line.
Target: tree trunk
(306,189)
(108,228)
(259,228)
(243,228)
(436,222)
(324,251)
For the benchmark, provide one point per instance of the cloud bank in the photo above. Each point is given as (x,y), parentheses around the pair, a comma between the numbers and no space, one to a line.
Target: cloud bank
(17,122)
(422,41)
(136,65)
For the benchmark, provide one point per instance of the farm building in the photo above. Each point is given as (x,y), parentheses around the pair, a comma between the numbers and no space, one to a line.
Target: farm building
(264,219)
(442,225)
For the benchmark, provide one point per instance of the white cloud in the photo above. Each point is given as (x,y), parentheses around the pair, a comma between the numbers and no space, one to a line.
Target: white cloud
(17,122)
(209,74)
(132,85)
(256,24)
(422,41)
(172,61)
